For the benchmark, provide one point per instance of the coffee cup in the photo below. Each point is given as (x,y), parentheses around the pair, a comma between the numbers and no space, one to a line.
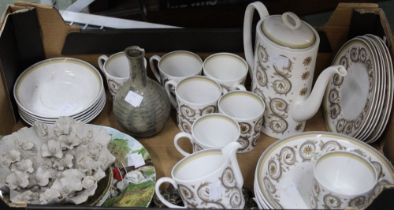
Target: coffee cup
(175,66)
(343,179)
(208,132)
(116,69)
(228,69)
(247,109)
(194,97)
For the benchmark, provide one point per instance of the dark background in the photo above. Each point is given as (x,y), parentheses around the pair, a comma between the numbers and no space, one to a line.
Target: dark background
(205,13)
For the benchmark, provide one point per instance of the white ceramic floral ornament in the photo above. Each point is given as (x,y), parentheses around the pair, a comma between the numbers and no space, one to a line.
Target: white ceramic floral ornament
(41,130)
(63,126)
(65,162)
(21,197)
(60,163)
(52,149)
(11,157)
(43,175)
(25,166)
(50,196)
(17,179)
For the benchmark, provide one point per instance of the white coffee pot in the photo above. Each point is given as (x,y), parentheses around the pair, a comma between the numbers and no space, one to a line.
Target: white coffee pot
(282,68)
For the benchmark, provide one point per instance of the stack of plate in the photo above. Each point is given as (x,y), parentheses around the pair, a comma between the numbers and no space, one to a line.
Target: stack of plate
(360,103)
(284,172)
(59,87)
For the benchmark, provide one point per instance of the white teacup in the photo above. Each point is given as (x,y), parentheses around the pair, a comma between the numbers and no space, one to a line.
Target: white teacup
(194,97)
(175,66)
(247,109)
(211,131)
(116,69)
(227,69)
(207,179)
(343,179)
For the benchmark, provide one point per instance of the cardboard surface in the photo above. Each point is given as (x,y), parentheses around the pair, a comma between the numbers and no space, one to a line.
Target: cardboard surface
(161,148)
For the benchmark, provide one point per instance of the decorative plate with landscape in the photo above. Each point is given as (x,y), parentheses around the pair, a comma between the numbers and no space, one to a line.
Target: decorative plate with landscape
(136,189)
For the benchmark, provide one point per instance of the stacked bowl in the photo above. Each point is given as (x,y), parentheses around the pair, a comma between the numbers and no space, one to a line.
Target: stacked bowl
(59,87)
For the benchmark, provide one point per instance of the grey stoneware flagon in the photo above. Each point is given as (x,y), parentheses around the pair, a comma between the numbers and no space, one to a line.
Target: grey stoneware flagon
(141,104)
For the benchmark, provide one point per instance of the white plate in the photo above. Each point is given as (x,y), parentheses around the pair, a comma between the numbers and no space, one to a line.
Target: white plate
(87,110)
(86,118)
(388,103)
(284,170)
(82,115)
(58,87)
(348,100)
(377,107)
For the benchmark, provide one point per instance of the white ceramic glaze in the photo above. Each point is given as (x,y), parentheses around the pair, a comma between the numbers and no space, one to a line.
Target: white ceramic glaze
(227,69)
(288,30)
(343,179)
(370,67)
(247,109)
(116,69)
(286,167)
(175,66)
(207,179)
(283,76)
(389,90)
(86,117)
(348,100)
(194,97)
(58,87)
(381,91)
(211,131)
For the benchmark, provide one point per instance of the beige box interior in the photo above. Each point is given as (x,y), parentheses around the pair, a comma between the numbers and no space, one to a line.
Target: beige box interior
(161,147)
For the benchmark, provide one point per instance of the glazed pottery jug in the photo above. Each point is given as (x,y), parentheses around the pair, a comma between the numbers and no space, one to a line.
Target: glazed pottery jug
(282,68)
(207,179)
(141,105)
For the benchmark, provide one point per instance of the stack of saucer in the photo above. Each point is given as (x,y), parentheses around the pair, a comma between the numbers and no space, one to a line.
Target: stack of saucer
(59,87)
(360,103)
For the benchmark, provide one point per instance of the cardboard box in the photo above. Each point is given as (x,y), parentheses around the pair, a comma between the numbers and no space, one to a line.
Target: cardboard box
(30,33)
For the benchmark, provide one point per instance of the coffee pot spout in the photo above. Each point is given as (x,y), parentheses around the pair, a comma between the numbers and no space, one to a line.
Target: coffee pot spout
(305,108)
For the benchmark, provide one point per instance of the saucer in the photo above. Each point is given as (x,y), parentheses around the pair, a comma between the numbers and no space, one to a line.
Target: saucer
(285,168)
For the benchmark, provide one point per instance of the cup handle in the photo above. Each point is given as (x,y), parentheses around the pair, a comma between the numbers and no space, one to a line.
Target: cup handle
(239,87)
(180,136)
(167,87)
(161,197)
(247,29)
(101,60)
(153,67)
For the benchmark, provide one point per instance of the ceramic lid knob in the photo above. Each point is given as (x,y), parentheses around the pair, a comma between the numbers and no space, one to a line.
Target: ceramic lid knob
(288,30)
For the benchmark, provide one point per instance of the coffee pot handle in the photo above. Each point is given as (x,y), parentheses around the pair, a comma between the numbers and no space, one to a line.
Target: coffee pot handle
(101,61)
(179,136)
(153,67)
(161,197)
(167,87)
(247,29)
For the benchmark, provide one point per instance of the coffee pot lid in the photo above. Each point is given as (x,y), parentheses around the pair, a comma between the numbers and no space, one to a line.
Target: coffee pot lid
(288,30)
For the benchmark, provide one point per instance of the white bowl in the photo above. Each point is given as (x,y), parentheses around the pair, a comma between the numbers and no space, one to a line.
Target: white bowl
(58,87)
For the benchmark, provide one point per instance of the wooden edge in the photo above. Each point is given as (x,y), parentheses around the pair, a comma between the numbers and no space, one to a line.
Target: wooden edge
(342,13)
(54,29)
